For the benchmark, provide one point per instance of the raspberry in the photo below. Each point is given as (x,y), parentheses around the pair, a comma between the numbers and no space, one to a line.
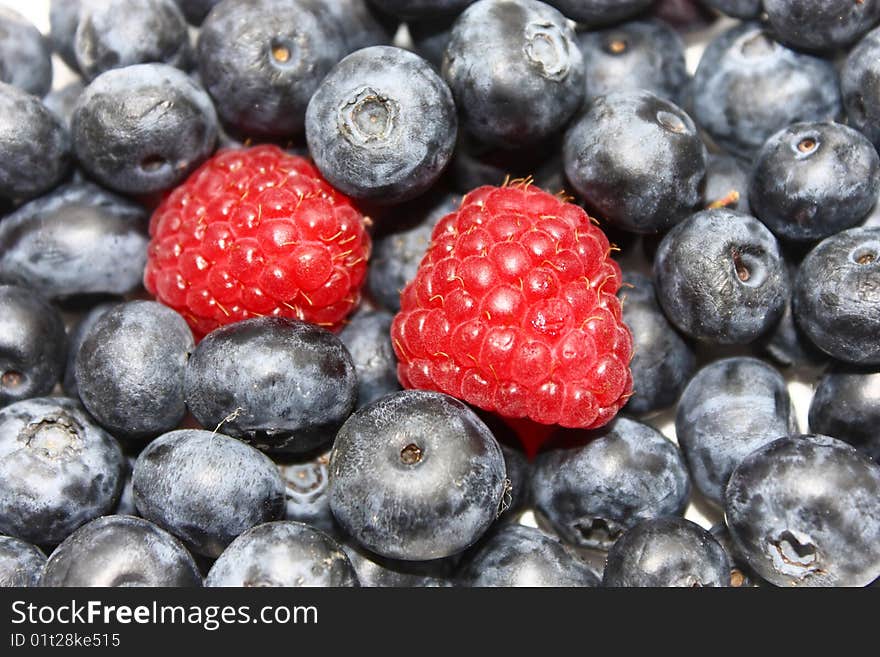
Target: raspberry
(514,310)
(256,232)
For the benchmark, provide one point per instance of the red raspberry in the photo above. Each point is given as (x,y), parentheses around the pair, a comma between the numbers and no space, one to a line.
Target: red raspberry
(514,310)
(257,232)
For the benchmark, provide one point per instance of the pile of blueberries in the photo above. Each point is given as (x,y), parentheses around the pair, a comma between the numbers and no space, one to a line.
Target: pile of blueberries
(274,452)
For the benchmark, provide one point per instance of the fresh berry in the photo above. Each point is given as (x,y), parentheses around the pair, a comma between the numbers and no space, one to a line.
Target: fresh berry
(368,339)
(821,24)
(737,8)
(860,85)
(408,9)
(514,311)
(206,488)
(380,572)
(25,60)
(76,335)
(63,19)
(121,551)
(282,554)
(600,12)
(257,232)
(416,476)
(805,511)
(727,183)
(362,23)
(278,384)
(846,405)
(62,101)
(21,563)
(307,501)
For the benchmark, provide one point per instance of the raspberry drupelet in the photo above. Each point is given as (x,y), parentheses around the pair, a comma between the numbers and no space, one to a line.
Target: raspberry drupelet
(256,232)
(514,310)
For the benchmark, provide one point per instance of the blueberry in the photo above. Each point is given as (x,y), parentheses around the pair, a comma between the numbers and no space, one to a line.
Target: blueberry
(396,256)
(836,296)
(59,470)
(63,101)
(860,85)
(637,160)
(519,477)
(75,337)
(667,552)
(75,240)
(430,37)
(21,563)
(261,61)
(206,488)
(130,369)
(143,128)
(408,9)
(805,511)
(663,362)
(34,145)
(416,476)
(729,409)
(118,33)
(195,10)
(515,70)
(637,55)
(361,23)
(33,344)
(747,87)
(741,576)
(600,12)
(812,180)
(63,20)
(25,59)
(721,278)
(744,9)
(116,551)
(821,24)
(787,345)
(846,405)
(367,336)
(520,556)
(374,571)
(617,477)
(307,500)
(727,183)
(381,126)
(125,506)
(282,554)
(279,384)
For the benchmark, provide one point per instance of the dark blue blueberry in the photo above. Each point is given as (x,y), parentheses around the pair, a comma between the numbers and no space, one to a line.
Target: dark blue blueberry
(21,563)
(130,369)
(520,556)
(741,576)
(396,256)
(75,338)
(683,15)
(837,298)
(33,345)
(379,572)
(787,345)
(367,336)
(637,55)
(25,58)
(430,37)
(663,362)
(728,410)
(306,497)
(143,128)
(727,183)
(117,33)
(261,61)
(821,24)
(381,126)
(206,488)
(812,180)
(279,384)
(59,470)
(515,70)
(667,552)
(286,554)
(744,9)
(76,240)
(618,476)
(721,278)
(860,85)
(748,87)
(408,9)
(416,476)
(63,19)
(519,481)
(600,12)
(34,145)
(195,10)
(63,101)
(361,23)
(846,405)
(121,551)
(805,511)
(637,160)
(474,165)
